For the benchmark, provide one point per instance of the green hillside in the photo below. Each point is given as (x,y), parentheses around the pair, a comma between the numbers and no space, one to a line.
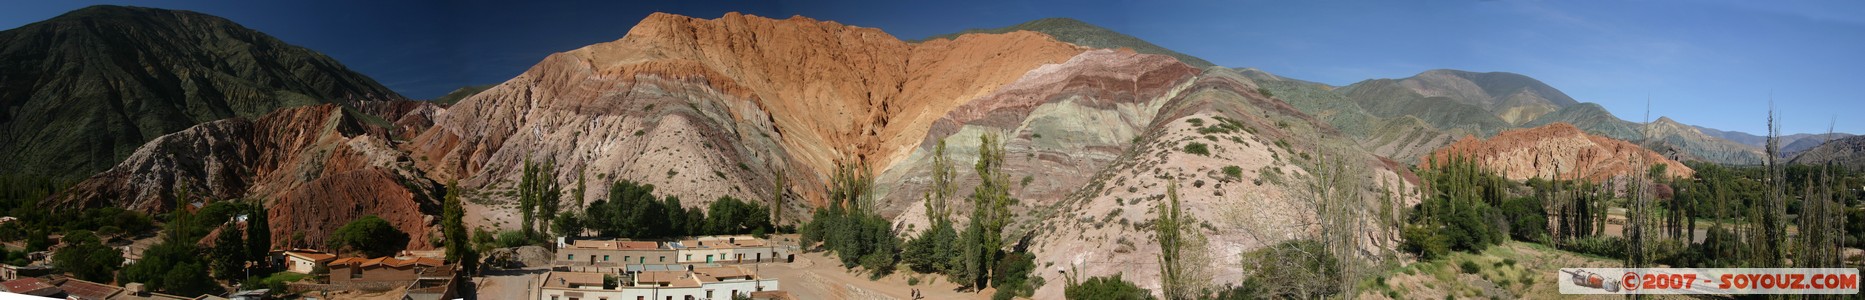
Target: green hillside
(82,90)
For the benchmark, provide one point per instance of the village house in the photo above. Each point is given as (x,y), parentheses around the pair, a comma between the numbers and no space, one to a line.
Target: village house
(700,283)
(386,269)
(306,261)
(614,253)
(631,255)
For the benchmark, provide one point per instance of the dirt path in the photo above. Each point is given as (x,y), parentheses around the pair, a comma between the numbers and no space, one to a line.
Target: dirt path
(815,276)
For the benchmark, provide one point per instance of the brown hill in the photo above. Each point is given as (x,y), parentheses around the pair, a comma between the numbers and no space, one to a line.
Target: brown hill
(318,166)
(1544,151)
(711,107)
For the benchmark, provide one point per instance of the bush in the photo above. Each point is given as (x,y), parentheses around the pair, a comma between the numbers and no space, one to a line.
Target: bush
(1198,148)
(1424,242)
(510,238)
(1469,267)
(1233,172)
(1607,246)
(1105,288)
(1299,269)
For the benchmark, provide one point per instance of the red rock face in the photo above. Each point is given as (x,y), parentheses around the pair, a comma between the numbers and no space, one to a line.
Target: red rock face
(323,205)
(315,167)
(1542,151)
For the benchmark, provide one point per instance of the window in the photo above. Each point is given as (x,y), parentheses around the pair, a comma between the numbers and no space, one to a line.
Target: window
(605,258)
(553,297)
(572,256)
(708,294)
(689,257)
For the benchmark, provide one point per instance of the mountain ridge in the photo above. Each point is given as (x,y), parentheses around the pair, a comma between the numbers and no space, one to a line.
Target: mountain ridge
(1085,34)
(80,91)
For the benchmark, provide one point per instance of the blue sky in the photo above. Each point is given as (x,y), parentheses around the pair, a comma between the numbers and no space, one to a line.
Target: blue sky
(1711,63)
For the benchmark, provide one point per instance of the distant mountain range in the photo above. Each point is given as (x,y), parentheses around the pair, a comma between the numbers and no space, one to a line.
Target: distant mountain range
(80,91)
(1848,152)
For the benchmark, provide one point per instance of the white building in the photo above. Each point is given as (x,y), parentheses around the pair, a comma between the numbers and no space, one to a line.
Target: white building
(699,284)
(304,261)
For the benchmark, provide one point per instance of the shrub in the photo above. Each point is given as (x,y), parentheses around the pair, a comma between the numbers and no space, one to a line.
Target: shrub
(1469,267)
(1234,172)
(1424,242)
(1607,246)
(1198,148)
(1299,269)
(510,238)
(1105,288)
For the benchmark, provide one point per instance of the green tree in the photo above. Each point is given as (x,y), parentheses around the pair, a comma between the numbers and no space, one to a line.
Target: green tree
(229,253)
(538,197)
(778,189)
(186,280)
(848,226)
(370,235)
(568,223)
(730,216)
(453,229)
(86,257)
(1170,233)
(932,251)
(452,223)
(258,234)
(982,242)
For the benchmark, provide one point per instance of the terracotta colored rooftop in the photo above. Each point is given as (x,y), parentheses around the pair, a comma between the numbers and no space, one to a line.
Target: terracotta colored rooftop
(615,245)
(347,261)
(723,242)
(386,261)
(311,255)
(29,286)
(572,279)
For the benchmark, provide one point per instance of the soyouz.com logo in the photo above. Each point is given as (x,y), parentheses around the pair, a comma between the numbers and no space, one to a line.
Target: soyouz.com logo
(1719,281)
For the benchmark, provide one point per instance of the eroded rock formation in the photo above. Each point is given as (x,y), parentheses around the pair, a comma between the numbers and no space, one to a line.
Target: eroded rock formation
(1559,148)
(314,167)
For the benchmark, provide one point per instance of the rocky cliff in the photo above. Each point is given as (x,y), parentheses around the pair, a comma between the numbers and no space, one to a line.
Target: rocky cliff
(1559,148)
(80,92)
(1092,143)
(712,108)
(315,168)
